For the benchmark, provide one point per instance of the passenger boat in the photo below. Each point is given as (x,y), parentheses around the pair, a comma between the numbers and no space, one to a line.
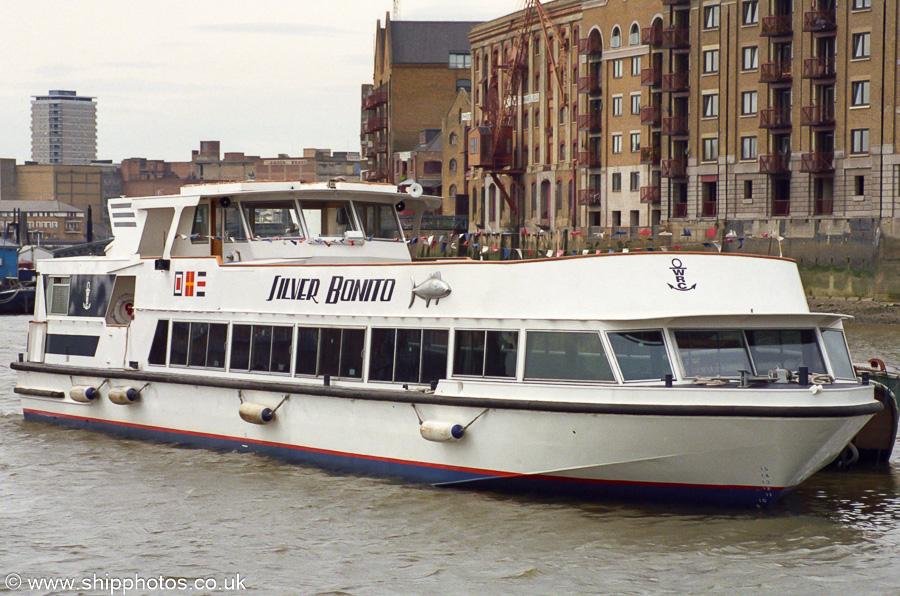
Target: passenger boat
(292,320)
(17,298)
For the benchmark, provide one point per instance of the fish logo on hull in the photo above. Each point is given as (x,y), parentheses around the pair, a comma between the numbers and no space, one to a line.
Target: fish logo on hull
(433,288)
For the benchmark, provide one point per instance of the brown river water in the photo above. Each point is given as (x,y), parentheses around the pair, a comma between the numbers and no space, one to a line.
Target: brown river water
(124,517)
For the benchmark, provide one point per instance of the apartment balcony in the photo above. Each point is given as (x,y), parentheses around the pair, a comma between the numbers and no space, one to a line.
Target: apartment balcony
(381,147)
(374,100)
(824,207)
(589,159)
(820,20)
(821,115)
(779,25)
(651,194)
(673,168)
(651,36)
(651,115)
(775,72)
(675,125)
(651,155)
(819,68)
(651,77)
(589,84)
(775,163)
(374,124)
(781,208)
(709,208)
(589,196)
(369,152)
(817,163)
(675,82)
(679,210)
(374,176)
(590,122)
(590,45)
(675,39)
(775,118)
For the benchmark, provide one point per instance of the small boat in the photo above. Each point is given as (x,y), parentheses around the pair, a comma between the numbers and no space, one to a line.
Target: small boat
(17,299)
(875,442)
(294,320)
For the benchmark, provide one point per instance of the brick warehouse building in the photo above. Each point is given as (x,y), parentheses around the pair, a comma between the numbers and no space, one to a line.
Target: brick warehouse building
(753,114)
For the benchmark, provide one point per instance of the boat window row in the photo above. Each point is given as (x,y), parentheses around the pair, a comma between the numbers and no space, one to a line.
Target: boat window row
(422,356)
(292,219)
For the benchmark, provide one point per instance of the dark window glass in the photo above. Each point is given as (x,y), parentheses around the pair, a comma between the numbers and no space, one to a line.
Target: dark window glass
(836,348)
(199,339)
(712,353)
(409,347)
(566,356)
(381,362)
(178,354)
(261,351)
(785,348)
(330,352)
(434,355)
(307,350)
(641,355)
(160,339)
(352,344)
(240,347)
(215,355)
(378,221)
(468,357)
(281,349)
(501,348)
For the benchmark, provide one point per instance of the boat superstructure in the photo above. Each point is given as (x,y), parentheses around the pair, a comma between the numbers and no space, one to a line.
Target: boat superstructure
(291,319)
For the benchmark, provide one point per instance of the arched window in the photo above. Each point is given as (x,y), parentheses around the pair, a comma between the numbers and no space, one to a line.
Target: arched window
(534,200)
(452,192)
(562,152)
(634,38)
(452,165)
(562,115)
(571,193)
(492,203)
(453,139)
(558,196)
(525,156)
(537,154)
(616,39)
(545,199)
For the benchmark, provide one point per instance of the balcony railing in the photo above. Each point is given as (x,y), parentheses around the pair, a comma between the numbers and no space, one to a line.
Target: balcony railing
(675,82)
(374,100)
(589,196)
(775,118)
(590,122)
(709,208)
(588,45)
(674,39)
(819,68)
(775,72)
(651,77)
(673,168)
(778,25)
(821,115)
(679,210)
(817,163)
(374,175)
(651,155)
(824,207)
(589,84)
(369,152)
(781,208)
(775,163)
(651,115)
(675,125)
(651,36)
(374,124)
(820,20)
(651,194)
(590,159)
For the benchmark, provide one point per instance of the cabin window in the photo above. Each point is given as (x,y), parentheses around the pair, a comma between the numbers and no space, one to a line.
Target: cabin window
(329,219)
(713,353)
(641,355)
(178,351)
(378,220)
(58,296)
(273,219)
(836,348)
(341,352)
(784,348)
(261,348)
(160,341)
(486,353)
(566,356)
(307,351)
(229,226)
(408,355)
(207,345)
(200,227)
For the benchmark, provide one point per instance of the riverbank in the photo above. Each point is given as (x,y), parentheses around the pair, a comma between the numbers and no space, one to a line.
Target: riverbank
(862,311)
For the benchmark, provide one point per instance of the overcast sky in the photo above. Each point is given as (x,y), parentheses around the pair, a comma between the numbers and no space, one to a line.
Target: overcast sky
(263,77)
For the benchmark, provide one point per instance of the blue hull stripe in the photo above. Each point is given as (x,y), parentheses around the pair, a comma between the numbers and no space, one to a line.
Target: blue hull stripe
(438,475)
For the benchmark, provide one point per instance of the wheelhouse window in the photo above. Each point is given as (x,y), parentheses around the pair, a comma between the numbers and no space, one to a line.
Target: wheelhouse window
(408,355)
(379,221)
(229,226)
(641,355)
(486,353)
(326,219)
(566,356)
(200,227)
(784,348)
(836,348)
(273,219)
(58,296)
(710,353)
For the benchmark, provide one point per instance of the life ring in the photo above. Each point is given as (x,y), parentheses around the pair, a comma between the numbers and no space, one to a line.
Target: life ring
(122,312)
(876,364)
